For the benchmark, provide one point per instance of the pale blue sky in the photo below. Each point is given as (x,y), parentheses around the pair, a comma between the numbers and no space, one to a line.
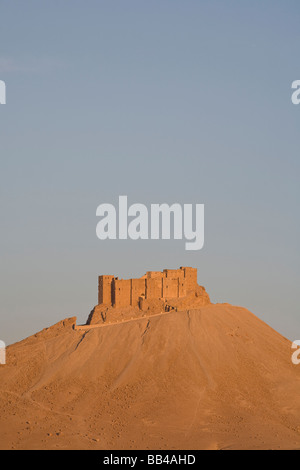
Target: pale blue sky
(164,101)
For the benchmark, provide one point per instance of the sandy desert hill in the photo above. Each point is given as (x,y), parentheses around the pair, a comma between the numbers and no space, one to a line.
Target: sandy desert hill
(212,378)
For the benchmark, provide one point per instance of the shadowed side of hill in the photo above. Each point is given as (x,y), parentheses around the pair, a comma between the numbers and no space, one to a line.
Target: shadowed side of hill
(211,378)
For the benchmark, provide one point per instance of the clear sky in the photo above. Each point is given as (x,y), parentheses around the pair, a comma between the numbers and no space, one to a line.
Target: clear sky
(164,101)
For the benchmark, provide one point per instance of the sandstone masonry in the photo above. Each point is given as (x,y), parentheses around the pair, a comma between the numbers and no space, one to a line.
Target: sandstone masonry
(155,285)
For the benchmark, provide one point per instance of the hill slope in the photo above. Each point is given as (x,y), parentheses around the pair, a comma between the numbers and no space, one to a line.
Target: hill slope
(211,378)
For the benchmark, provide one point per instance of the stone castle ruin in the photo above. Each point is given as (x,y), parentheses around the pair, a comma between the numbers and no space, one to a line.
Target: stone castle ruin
(155,292)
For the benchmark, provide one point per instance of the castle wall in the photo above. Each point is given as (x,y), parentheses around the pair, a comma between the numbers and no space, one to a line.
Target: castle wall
(190,278)
(170,288)
(171,283)
(174,273)
(181,288)
(138,289)
(105,290)
(122,292)
(154,274)
(154,288)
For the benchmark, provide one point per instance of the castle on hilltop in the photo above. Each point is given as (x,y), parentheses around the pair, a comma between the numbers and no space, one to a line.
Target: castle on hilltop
(169,284)
(153,293)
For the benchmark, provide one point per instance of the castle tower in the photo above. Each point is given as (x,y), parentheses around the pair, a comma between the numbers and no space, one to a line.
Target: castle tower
(105,290)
